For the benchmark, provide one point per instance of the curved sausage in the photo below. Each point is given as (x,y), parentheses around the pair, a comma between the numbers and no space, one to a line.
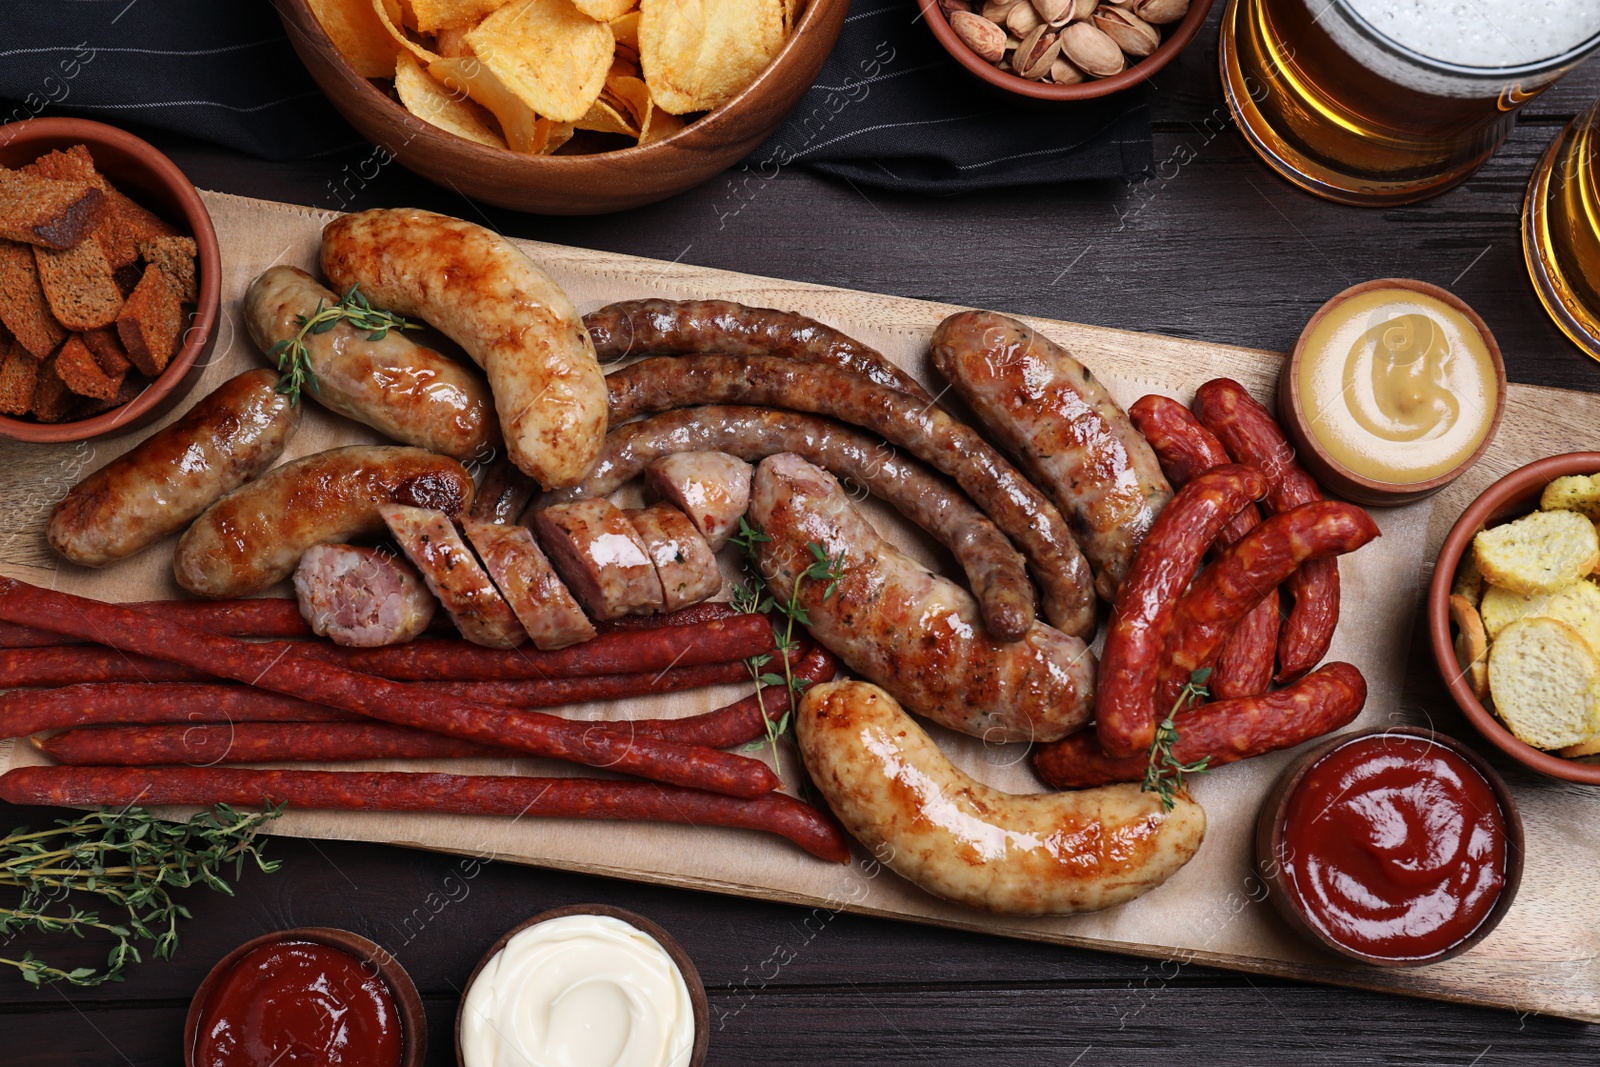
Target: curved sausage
(155,489)
(926,431)
(712,488)
(468,596)
(482,292)
(898,624)
(994,568)
(253,537)
(1044,854)
(1063,427)
(405,391)
(1222,732)
(1126,713)
(361,597)
(676,327)
(525,578)
(684,561)
(601,558)
(504,493)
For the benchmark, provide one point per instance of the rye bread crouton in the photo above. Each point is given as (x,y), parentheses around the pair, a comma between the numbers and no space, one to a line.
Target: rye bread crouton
(81,372)
(151,322)
(108,351)
(78,286)
(19,370)
(175,256)
(22,305)
(52,400)
(125,224)
(132,386)
(39,211)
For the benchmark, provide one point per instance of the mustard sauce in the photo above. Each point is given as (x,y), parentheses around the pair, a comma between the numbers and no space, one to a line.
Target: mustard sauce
(1397,385)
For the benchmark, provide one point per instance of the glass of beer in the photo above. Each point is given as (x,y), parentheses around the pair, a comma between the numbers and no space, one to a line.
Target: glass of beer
(1561,230)
(1381,102)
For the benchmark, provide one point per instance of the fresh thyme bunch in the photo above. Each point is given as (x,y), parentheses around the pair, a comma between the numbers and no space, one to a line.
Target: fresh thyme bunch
(293,359)
(1164,775)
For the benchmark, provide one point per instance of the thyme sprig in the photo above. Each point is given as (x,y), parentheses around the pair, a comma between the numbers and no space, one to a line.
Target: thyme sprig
(131,860)
(295,361)
(1164,774)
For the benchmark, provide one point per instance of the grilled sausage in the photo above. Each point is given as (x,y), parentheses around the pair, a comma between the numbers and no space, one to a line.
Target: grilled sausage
(404,390)
(504,494)
(469,597)
(525,578)
(155,489)
(1046,854)
(483,293)
(254,536)
(712,488)
(600,557)
(926,431)
(1063,428)
(684,561)
(361,597)
(907,629)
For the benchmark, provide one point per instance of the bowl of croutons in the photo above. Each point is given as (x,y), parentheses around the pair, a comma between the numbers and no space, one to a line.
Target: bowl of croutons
(109,281)
(1514,615)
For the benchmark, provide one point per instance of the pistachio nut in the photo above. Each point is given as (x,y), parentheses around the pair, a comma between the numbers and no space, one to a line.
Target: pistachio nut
(1091,50)
(996,10)
(985,39)
(1023,20)
(1062,72)
(1133,34)
(1056,12)
(1043,56)
(1161,12)
(1038,45)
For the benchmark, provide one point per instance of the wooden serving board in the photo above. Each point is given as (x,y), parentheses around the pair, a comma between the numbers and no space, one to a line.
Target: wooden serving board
(1542,958)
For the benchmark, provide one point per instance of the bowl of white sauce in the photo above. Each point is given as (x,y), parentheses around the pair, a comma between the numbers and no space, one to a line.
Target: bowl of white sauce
(584,986)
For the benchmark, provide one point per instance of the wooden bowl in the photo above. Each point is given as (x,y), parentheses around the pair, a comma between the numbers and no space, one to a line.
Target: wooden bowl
(1515,494)
(1336,476)
(152,179)
(574,184)
(1274,815)
(691,976)
(1176,38)
(413,1021)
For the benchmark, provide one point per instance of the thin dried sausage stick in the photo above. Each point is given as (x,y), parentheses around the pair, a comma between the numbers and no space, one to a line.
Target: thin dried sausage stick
(1244,666)
(1125,712)
(1223,732)
(281,670)
(462,794)
(71,664)
(630,328)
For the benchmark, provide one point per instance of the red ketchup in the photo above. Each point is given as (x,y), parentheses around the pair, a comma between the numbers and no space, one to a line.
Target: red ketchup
(1394,846)
(291,1003)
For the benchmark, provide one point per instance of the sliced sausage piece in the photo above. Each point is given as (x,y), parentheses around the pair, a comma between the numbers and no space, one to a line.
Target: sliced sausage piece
(361,597)
(684,561)
(712,488)
(429,540)
(601,557)
(525,578)
(505,492)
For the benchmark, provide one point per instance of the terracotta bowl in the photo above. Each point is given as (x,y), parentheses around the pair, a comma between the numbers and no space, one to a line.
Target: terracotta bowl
(1329,471)
(691,976)
(574,184)
(152,179)
(1174,39)
(1274,815)
(413,1021)
(1515,494)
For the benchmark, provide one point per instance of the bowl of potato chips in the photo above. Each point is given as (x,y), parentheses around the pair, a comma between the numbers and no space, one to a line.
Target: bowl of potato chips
(565,107)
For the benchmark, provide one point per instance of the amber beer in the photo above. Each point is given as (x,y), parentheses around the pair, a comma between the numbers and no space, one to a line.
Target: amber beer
(1561,230)
(1391,101)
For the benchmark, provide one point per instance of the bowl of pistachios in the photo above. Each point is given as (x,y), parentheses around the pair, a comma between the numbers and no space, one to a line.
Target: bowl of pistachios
(1064,49)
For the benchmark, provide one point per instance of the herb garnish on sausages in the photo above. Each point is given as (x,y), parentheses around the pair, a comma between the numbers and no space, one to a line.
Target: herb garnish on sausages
(293,359)
(1165,773)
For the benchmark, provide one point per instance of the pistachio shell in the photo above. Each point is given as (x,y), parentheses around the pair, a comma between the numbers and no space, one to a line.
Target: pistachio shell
(996,10)
(1023,20)
(950,7)
(1091,51)
(1082,9)
(1133,34)
(1062,72)
(985,39)
(1037,63)
(1055,11)
(1161,12)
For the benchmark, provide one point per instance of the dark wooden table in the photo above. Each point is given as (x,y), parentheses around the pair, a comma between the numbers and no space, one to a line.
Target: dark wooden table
(1212,246)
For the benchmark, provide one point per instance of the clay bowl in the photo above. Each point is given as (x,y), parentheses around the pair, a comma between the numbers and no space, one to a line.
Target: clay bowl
(574,184)
(691,976)
(1515,494)
(413,1021)
(1274,815)
(152,179)
(1329,471)
(1175,37)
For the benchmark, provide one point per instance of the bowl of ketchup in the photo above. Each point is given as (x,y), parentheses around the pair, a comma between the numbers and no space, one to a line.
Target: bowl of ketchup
(1396,847)
(308,996)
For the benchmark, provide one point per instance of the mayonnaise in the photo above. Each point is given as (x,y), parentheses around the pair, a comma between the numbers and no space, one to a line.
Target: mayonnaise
(578,991)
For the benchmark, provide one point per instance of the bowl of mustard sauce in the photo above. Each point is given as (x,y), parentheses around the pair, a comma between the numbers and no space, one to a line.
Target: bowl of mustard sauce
(1394,389)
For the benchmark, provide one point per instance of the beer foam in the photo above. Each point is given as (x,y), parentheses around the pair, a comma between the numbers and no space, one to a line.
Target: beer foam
(1483,33)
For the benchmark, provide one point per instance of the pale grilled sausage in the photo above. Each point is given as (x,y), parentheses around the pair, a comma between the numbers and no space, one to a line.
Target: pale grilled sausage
(155,489)
(465,591)
(927,820)
(601,558)
(361,597)
(483,293)
(897,624)
(684,561)
(254,536)
(525,578)
(404,390)
(712,488)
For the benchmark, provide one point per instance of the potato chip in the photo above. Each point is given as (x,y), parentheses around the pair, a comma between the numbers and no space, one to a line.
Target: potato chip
(385,11)
(633,95)
(560,134)
(625,28)
(354,29)
(434,15)
(469,75)
(791,15)
(431,102)
(604,116)
(451,42)
(697,54)
(604,10)
(553,56)
(658,125)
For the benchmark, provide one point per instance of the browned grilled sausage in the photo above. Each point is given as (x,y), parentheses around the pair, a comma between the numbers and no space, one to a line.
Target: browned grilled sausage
(712,488)
(469,597)
(928,432)
(504,494)
(1063,428)
(601,558)
(525,578)
(631,328)
(254,536)
(361,597)
(684,561)
(155,489)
